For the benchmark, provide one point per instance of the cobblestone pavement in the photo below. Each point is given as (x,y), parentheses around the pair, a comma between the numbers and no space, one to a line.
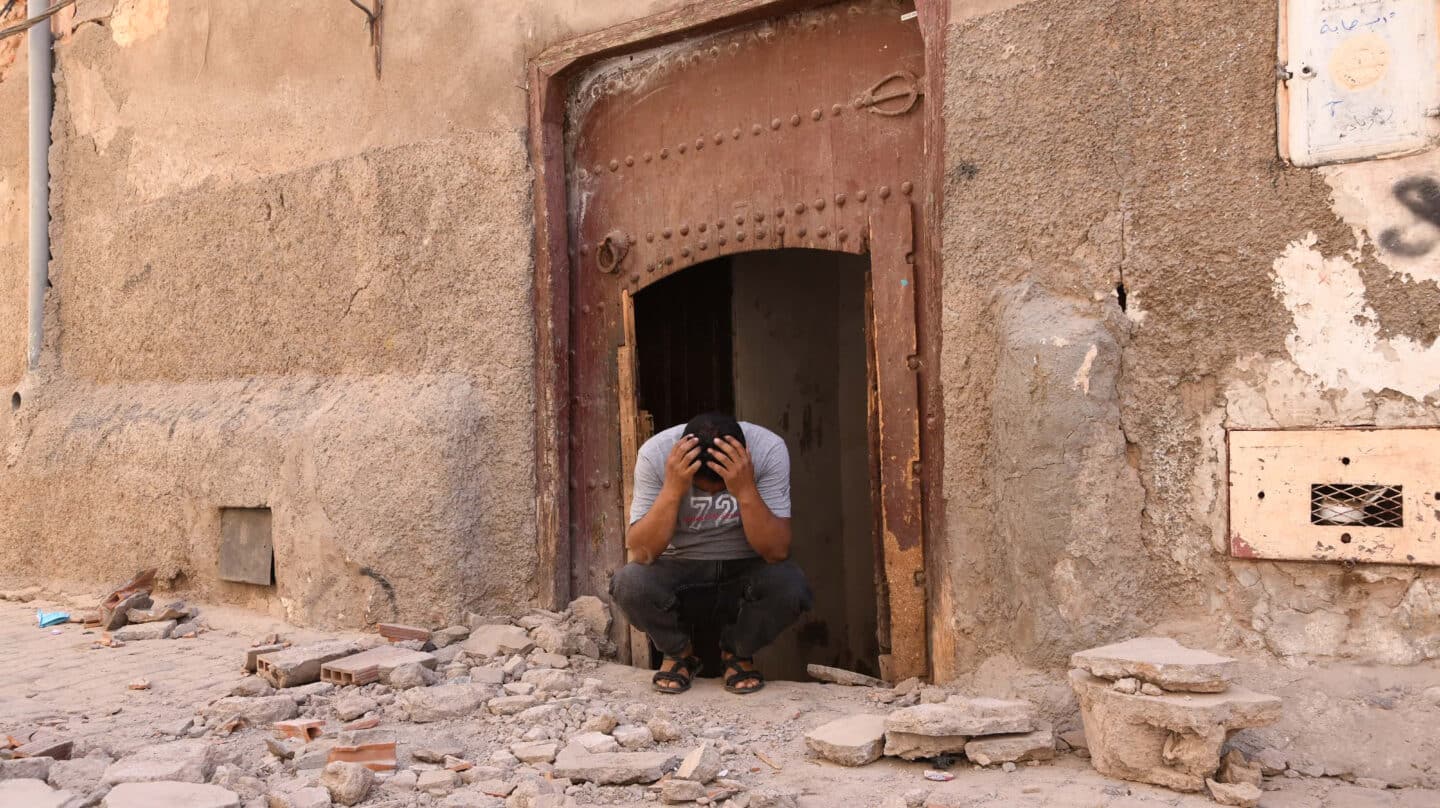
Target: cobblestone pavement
(64,681)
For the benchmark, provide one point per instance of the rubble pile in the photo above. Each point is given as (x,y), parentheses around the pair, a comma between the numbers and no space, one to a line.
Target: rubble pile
(1157,712)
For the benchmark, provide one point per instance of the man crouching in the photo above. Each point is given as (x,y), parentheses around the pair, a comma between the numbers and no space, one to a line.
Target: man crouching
(711,509)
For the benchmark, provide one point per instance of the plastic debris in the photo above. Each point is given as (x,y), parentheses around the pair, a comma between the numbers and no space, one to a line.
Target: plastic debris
(939,776)
(48,619)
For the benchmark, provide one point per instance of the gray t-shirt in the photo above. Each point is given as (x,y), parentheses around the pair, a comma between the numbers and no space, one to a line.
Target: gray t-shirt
(708,528)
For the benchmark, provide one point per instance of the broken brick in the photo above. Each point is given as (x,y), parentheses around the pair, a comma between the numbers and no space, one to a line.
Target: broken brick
(301,665)
(398,631)
(378,756)
(305,729)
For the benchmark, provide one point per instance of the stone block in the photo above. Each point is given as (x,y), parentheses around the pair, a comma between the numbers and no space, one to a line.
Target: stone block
(510,705)
(1245,795)
(535,751)
(257,712)
(301,665)
(840,676)
(35,768)
(547,680)
(158,630)
(497,640)
(596,742)
(437,782)
(1172,740)
(593,614)
(1160,661)
(702,764)
(442,702)
(1035,745)
(911,746)
(632,736)
(958,715)
(164,794)
(449,636)
(612,768)
(309,797)
(372,665)
(348,783)
(674,792)
(188,761)
(28,792)
(851,741)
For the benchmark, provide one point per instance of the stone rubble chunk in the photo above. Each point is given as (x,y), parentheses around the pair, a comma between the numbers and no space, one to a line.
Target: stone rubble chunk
(1151,690)
(348,783)
(251,687)
(497,640)
(408,676)
(78,774)
(351,706)
(1038,744)
(158,630)
(910,746)
(602,719)
(449,636)
(613,768)
(631,736)
(1241,794)
(1161,661)
(556,638)
(188,761)
(260,711)
(442,702)
(664,730)
(510,705)
(29,792)
(702,765)
(550,681)
(487,676)
(593,615)
(545,659)
(774,797)
(840,676)
(437,782)
(436,750)
(959,716)
(596,742)
(308,797)
(851,741)
(472,798)
(674,792)
(1172,740)
(535,751)
(1235,768)
(167,794)
(1129,685)
(35,768)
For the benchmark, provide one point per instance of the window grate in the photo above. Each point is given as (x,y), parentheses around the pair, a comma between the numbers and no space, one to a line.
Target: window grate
(1356,505)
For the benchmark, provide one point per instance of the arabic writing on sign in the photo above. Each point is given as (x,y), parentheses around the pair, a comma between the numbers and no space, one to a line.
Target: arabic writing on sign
(1350,23)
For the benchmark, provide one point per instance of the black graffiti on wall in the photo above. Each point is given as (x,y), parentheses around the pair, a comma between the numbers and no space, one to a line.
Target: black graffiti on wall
(1421,196)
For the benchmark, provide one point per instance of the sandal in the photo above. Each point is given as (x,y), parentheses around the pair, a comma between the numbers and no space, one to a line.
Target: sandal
(736,674)
(682,676)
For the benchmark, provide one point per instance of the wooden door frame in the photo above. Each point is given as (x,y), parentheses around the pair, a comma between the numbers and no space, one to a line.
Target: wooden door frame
(549,76)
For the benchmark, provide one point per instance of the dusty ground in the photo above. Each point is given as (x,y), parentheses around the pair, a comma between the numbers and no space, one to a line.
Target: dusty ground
(61,681)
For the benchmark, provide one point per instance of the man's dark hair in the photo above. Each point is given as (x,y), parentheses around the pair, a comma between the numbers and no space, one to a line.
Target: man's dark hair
(706,427)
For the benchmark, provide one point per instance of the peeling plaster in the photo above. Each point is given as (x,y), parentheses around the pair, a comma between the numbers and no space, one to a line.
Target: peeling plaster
(1337,334)
(138,20)
(1082,376)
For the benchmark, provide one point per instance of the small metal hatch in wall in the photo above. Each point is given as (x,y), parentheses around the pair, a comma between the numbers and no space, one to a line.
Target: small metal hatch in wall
(247,554)
(1358,495)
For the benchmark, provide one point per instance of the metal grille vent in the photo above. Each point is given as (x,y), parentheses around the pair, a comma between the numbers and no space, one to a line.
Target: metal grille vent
(1356,505)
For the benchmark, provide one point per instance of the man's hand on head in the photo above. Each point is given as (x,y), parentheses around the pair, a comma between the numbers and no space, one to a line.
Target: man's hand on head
(731,460)
(681,465)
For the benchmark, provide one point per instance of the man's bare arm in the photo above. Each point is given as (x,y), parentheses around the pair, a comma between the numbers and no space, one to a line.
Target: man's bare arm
(648,537)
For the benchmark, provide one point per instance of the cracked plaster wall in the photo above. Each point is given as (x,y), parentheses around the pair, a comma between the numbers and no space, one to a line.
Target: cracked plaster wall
(1099,144)
(278,280)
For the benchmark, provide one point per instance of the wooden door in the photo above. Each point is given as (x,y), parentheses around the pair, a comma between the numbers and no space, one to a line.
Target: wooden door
(801,131)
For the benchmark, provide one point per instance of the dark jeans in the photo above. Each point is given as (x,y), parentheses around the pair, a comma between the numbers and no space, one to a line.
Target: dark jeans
(753,600)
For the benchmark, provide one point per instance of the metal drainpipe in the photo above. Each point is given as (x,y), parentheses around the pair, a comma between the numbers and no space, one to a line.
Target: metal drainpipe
(42,105)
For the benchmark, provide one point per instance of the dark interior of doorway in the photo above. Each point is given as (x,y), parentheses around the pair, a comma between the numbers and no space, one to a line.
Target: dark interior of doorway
(778,337)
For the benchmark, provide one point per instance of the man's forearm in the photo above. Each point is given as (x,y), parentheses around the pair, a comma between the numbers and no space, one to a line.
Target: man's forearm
(648,538)
(768,534)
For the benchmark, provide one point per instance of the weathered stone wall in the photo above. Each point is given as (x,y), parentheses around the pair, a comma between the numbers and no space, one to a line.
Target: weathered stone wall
(1111,144)
(280,281)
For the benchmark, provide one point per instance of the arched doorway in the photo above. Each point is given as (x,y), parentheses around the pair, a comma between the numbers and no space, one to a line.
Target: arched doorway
(799,131)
